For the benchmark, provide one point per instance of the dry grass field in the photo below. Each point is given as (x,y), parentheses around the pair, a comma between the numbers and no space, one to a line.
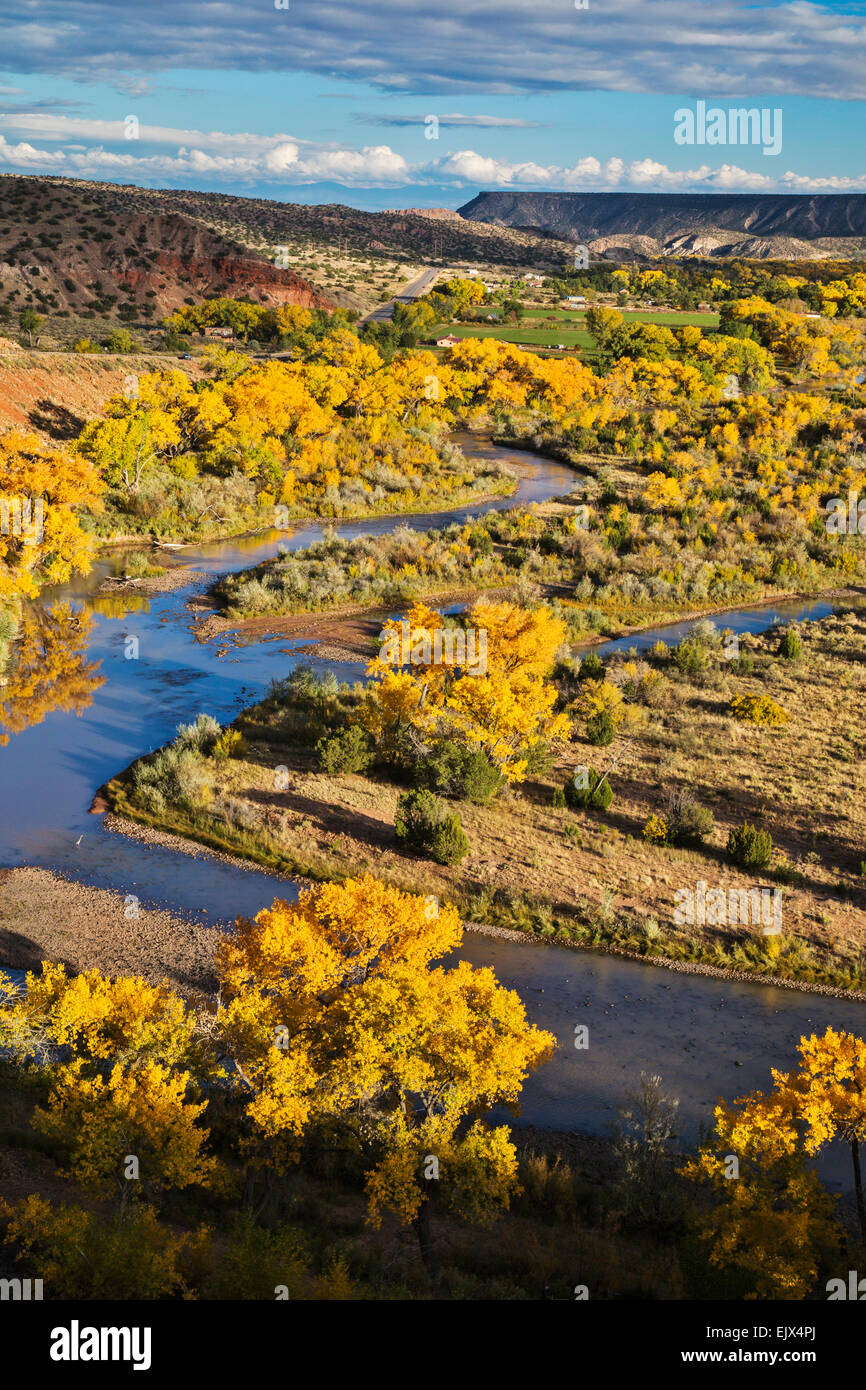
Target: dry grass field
(591,877)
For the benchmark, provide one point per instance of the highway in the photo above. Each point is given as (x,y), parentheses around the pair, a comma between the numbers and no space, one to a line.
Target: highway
(414,290)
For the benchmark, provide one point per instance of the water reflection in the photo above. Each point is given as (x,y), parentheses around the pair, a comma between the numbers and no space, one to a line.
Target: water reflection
(118,605)
(48,669)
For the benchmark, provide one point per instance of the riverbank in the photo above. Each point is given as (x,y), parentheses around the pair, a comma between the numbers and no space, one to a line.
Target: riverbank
(424,502)
(355,627)
(581,878)
(46,917)
(176,577)
(200,849)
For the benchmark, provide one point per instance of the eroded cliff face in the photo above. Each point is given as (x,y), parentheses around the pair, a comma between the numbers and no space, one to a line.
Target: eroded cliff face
(761,225)
(181,258)
(162,260)
(174,277)
(56,393)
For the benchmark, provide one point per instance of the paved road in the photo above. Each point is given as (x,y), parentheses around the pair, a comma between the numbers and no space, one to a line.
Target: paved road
(413,290)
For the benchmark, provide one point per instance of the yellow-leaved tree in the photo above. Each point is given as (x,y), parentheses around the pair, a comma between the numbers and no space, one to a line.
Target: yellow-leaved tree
(124,1060)
(481,685)
(339,1024)
(774,1218)
(41,491)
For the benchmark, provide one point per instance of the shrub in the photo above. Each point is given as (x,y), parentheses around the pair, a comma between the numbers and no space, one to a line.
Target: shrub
(758,709)
(749,847)
(230,744)
(348,750)
(688,822)
(597,793)
(591,668)
(200,737)
(601,729)
(690,657)
(461,772)
(656,830)
(423,824)
(791,645)
(179,774)
(448,842)
(88,1255)
(558,797)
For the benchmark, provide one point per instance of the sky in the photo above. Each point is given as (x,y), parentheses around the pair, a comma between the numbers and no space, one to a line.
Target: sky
(424,103)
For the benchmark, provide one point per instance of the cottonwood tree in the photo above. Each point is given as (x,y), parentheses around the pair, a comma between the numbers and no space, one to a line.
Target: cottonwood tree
(501,705)
(338,1023)
(775,1219)
(42,491)
(123,1060)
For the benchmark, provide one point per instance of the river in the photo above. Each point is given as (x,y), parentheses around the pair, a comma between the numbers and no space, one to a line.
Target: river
(705,1037)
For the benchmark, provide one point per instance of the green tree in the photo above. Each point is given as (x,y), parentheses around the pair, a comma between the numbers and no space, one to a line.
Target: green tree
(30,323)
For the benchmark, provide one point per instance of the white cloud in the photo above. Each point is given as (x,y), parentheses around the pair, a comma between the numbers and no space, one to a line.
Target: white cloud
(26,156)
(248,158)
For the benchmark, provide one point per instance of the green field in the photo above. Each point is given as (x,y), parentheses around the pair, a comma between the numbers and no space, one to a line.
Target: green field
(537,330)
(703,319)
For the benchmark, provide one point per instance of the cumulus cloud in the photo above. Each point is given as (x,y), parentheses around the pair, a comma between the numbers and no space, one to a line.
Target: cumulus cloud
(26,156)
(181,157)
(713,48)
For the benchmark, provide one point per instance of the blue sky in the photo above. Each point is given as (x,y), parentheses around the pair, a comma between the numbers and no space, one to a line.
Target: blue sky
(325,101)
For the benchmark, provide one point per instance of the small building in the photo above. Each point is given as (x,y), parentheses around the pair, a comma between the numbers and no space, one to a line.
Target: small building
(217,330)
(534,279)
(575,301)
(448,341)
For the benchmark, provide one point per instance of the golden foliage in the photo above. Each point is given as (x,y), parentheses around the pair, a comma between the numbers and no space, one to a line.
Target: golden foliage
(335,1016)
(501,705)
(49,545)
(48,668)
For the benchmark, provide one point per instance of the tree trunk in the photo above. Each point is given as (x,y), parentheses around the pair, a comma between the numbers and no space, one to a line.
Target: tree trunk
(425,1240)
(858,1187)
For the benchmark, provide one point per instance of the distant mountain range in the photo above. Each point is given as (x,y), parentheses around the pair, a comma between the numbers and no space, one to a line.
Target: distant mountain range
(645,225)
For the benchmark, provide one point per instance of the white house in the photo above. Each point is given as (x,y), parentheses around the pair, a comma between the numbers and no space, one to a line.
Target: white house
(448,341)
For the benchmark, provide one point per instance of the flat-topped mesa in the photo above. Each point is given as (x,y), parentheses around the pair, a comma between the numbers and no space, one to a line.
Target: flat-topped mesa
(768,222)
